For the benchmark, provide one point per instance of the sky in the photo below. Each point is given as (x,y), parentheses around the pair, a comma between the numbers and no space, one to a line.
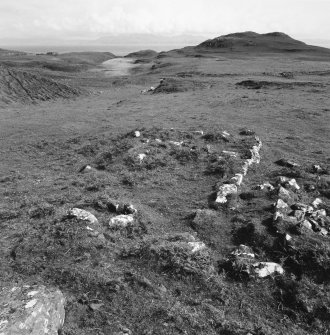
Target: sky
(90,19)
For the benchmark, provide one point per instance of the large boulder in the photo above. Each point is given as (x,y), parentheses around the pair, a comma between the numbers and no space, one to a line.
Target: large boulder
(31,310)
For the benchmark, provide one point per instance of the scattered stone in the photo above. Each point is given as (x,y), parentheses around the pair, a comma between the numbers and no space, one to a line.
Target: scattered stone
(281,205)
(255,154)
(265,269)
(306,224)
(243,251)
(237,179)
(293,184)
(224,191)
(286,163)
(323,232)
(288,238)
(299,214)
(123,208)
(284,194)
(34,310)
(141,157)
(299,206)
(317,202)
(197,246)
(247,132)
(81,214)
(85,169)
(230,153)
(245,168)
(265,186)
(151,89)
(121,221)
(317,169)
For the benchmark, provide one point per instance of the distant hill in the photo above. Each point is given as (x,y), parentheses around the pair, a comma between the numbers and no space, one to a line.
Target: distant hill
(253,42)
(23,87)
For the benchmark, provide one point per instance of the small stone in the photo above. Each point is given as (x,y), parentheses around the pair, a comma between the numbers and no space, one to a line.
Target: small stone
(288,238)
(243,251)
(293,184)
(230,153)
(306,224)
(299,206)
(281,205)
(284,194)
(141,157)
(197,246)
(299,214)
(317,202)
(245,168)
(265,269)
(237,179)
(81,214)
(224,191)
(265,186)
(123,208)
(31,303)
(255,154)
(286,163)
(121,221)
(317,168)
(137,133)
(85,169)
(323,232)
(247,132)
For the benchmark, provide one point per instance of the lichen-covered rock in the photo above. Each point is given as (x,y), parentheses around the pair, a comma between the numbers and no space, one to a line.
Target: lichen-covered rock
(224,191)
(317,202)
(31,310)
(284,194)
(81,214)
(121,221)
(265,269)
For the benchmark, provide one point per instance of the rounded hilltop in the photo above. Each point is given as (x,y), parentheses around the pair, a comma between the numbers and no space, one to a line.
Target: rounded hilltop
(253,42)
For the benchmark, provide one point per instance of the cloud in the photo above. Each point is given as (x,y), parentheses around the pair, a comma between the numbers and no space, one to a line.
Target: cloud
(86,18)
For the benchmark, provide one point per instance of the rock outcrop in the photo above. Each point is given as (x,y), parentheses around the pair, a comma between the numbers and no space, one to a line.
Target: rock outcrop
(31,310)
